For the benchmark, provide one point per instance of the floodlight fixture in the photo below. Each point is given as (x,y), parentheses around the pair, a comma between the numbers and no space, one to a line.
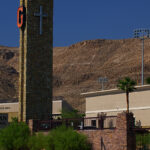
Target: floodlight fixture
(102,80)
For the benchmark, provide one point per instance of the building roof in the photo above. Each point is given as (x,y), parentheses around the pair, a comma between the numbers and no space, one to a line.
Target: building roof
(113,91)
(58,98)
(13,100)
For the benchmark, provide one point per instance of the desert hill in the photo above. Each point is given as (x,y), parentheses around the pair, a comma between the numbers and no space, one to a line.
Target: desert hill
(8,73)
(76,68)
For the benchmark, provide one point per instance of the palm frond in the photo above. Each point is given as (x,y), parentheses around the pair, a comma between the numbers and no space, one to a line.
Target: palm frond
(126,84)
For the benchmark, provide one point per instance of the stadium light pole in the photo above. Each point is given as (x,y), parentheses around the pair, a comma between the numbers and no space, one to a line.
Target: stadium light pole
(102,80)
(141,34)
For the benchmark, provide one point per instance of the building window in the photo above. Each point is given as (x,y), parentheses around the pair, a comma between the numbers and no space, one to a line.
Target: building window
(93,123)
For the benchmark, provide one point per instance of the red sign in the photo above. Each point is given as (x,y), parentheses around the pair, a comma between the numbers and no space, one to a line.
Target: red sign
(21,17)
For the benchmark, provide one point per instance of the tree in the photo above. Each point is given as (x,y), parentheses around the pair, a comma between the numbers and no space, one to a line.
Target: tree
(38,142)
(63,138)
(127,85)
(67,114)
(14,136)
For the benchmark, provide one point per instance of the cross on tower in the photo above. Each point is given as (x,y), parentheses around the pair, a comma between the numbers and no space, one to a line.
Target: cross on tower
(41,15)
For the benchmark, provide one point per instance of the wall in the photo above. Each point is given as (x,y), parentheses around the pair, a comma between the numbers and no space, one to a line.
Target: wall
(57,107)
(12,109)
(12,115)
(121,138)
(115,102)
(9,108)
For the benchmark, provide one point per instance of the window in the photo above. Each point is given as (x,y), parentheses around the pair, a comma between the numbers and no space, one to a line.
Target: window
(93,123)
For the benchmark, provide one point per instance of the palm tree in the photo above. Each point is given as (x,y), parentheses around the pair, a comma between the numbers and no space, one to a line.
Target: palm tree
(128,86)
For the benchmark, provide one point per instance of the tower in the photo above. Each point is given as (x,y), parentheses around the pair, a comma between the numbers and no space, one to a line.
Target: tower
(35,20)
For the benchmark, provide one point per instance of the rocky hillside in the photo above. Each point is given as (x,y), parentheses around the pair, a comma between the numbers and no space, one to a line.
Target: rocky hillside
(76,68)
(8,73)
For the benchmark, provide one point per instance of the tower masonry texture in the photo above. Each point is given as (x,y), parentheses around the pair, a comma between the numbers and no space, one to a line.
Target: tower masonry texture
(36,44)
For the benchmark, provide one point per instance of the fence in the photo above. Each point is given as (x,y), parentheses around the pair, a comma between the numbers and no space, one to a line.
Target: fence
(108,132)
(142,138)
(107,122)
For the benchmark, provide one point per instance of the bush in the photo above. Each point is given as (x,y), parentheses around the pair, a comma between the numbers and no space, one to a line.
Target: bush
(63,138)
(143,139)
(148,80)
(37,142)
(71,114)
(17,137)
(14,136)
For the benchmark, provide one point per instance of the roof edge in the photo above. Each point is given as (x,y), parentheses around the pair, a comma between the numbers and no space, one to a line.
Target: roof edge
(113,91)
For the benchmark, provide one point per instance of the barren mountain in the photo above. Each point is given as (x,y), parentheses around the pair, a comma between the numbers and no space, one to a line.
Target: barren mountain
(8,72)
(76,68)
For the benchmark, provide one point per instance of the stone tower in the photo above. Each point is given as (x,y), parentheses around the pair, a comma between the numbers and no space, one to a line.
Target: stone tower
(35,20)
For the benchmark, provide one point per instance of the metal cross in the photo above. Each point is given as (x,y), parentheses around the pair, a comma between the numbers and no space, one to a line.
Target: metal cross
(41,15)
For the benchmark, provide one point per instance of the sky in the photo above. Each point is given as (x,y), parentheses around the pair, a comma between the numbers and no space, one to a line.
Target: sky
(79,20)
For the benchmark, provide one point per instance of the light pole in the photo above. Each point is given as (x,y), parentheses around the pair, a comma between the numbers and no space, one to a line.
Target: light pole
(141,34)
(102,80)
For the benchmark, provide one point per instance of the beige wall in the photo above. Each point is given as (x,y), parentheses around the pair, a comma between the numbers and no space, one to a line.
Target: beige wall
(8,107)
(12,115)
(113,103)
(57,107)
(12,109)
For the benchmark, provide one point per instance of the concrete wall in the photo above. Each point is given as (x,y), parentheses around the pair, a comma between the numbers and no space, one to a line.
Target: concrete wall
(9,108)
(12,115)
(12,109)
(113,102)
(121,138)
(57,107)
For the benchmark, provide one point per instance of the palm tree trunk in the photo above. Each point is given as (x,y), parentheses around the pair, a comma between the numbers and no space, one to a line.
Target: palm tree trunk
(127,98)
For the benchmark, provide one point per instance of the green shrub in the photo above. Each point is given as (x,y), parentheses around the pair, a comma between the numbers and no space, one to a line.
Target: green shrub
(71,114)
(37,142)
(14,136)
(17,136)
(63,138)
(148,80)
(143,139)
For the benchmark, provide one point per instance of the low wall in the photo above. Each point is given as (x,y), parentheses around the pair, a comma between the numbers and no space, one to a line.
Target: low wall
(121,138)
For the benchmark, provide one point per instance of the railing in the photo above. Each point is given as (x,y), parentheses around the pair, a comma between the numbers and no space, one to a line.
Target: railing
(143,141)
(142,138)
(107,122)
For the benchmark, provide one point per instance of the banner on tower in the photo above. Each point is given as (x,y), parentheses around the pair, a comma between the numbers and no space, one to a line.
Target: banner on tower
(21,17)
